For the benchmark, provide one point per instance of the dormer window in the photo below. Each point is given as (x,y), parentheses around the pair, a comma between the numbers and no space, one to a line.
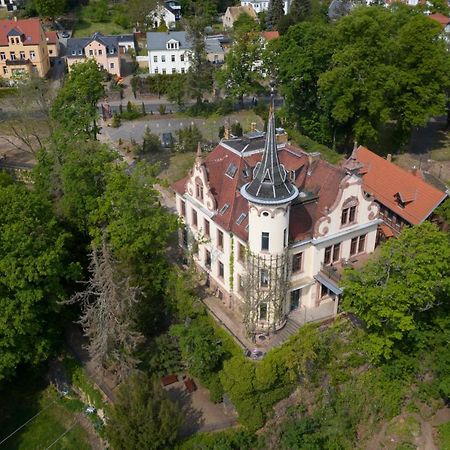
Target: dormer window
(224,209)
(172,45)
(349,210)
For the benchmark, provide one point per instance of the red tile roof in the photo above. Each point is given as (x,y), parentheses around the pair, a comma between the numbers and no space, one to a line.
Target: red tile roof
(389,183)
(320,179)
(438,17)
(51,36)
(31,28)
(270,35)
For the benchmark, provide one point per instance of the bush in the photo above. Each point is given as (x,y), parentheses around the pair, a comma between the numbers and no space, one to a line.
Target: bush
(188,139)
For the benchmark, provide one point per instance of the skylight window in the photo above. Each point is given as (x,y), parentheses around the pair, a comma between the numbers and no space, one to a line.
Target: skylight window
(246,172)
(231,171)
(224,209)
(241,218)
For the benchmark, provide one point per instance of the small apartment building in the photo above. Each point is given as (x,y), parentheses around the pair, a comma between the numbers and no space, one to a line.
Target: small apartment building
(168,52)
(263,5)
(404,198)
(103,49)
(271,226)
(23,49)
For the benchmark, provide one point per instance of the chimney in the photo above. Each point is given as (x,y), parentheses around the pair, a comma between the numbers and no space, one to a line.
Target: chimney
(414,170)
(227,132)
(389,157)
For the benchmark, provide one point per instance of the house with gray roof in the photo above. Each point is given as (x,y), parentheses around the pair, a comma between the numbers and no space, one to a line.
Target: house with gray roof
(104,49)
(168,52)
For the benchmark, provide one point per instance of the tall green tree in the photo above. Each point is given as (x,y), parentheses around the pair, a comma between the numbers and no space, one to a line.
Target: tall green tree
(34,265)
(394,292)
(275,13)
(300,10)
(199,78)
(242,73)
(143,417)
(50,8)
(75,107)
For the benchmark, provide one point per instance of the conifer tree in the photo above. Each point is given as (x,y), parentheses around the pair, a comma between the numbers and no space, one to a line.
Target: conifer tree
(274,14)
(300,10)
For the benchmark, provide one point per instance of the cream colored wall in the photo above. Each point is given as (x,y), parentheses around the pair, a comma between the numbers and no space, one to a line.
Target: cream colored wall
(103,60)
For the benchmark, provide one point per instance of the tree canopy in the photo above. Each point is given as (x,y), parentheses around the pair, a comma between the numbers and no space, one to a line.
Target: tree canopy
(34,265)
(75,106)
(394,292)
(143,417)
(50,8)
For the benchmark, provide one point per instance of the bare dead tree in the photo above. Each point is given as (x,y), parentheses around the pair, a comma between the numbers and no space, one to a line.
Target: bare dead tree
(29,123)
(108,304)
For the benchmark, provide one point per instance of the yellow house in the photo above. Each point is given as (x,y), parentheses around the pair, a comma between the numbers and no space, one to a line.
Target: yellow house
(23,49)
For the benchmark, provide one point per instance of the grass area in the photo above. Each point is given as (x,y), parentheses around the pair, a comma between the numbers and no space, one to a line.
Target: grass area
(404,429)
(177,166)
(29,397)
(442,154)
(311,146)
(444,436)
(85,25)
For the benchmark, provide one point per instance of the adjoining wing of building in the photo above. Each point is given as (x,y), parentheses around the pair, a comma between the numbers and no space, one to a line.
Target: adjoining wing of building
(272,226)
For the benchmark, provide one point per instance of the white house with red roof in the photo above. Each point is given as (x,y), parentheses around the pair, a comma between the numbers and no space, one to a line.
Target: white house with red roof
(271,226)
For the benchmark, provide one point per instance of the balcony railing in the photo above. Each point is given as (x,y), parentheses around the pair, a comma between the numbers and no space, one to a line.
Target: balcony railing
(332,272)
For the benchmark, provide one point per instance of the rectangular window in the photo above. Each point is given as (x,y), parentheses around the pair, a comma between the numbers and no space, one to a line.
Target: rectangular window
(172,57)
(241,252)
(194,218)
(91,52)
(163,58)
(219,239)
(207,228)
(111,65)
(12,55)
(221,271)
(164,71)
(264,241)
(264,277)
(174,70)
(285,237)
(240,283)
(332,254)
(295,299)
(353,246)
(336,252)
(155,59)
(352,214)
(182,70)
(208,259)
(100,51)
(297,260)
(5,70)
(22,55)
(2,56)
(263,311)
(344,216)
(199,191)
(183,208)
(156,70)
(362,244)
(182,57)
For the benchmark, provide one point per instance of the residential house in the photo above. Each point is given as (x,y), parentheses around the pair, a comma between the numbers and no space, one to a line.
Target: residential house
(445,23)
(404,198)
(52,45)
(233,12)
(103,49)
(168,52)
(162,14)
(126,42)
(10,5)
(263,5)
(216,48)
(271,226)
(23,49)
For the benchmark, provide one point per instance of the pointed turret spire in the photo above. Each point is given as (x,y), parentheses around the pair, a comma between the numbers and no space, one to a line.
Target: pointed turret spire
(270,184)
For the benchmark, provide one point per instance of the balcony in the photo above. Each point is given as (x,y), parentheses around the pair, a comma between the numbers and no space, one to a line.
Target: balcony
(335,270)
(17,62)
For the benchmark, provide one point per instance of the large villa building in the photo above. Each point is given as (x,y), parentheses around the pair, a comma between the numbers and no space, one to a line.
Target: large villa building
(271,225)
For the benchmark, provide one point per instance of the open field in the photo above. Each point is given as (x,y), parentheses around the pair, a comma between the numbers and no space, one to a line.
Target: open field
(56,416)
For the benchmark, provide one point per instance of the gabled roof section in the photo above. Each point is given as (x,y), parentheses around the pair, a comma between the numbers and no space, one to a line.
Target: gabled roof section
(388,183)
(31,28)
(158,40)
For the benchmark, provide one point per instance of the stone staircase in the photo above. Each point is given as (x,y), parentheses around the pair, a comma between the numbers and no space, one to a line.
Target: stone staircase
(288,330)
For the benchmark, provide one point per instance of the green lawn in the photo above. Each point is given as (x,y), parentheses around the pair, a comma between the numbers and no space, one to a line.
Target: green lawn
(85,26)
(28,397)
(444,436)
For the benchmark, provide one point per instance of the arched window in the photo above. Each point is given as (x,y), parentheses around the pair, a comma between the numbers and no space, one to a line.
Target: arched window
(349,211)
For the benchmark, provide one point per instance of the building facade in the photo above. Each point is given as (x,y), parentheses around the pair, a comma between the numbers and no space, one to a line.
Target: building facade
(23,49)
(271,226)
(168,52)
(404,198)
(105,50)
(233,12)
(263,5)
